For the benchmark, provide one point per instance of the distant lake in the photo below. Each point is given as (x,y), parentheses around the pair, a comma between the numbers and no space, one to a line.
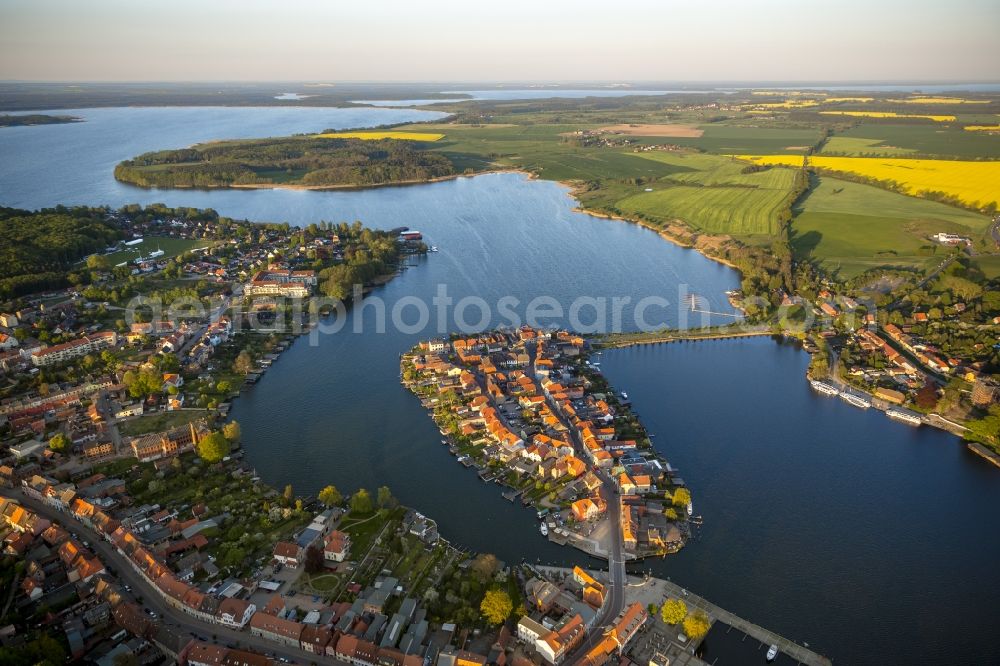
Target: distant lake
(896,87)
(292,96)
(43,166)
(528,94)
(871,540)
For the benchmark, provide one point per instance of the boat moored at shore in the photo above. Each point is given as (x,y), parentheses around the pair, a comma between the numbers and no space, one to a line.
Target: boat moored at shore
(905,417)
(823,387)
(856,400)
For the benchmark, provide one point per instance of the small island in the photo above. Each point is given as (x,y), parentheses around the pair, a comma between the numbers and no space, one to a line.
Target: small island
(7,120)
(532,413)
(316,161)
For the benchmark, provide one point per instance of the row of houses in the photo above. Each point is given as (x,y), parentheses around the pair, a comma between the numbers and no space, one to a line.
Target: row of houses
(67,351)
(625,627)
(561,615)
(287,283)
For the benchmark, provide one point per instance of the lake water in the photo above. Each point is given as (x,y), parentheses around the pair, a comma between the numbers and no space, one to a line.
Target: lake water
(868,539)
(74,163)
(526,94)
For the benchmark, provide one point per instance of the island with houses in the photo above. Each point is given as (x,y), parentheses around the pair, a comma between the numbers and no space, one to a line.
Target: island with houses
(531,412)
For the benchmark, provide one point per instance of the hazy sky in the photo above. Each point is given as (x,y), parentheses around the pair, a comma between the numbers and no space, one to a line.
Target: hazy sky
(422,40)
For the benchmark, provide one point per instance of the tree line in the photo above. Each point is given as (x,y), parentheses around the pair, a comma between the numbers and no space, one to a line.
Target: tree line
(311,161)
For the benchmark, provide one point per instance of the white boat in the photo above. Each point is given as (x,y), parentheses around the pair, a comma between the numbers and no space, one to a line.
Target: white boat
(772,652)
(625,395)
(544,529)
(434,248)
(823,387)
(905,417)
(690,508)
(856,400)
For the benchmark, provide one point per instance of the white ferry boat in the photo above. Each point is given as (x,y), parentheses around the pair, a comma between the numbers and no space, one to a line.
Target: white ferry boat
(856,400)
(905,417)
(544,529)
(823,387)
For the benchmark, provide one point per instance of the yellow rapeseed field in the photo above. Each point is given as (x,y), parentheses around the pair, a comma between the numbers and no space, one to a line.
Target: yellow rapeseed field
(787,104)
(939,100)
(973,183)
(374,136)
(888,114)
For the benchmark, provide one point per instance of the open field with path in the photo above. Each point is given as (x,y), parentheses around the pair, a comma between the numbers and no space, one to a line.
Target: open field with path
(849,228)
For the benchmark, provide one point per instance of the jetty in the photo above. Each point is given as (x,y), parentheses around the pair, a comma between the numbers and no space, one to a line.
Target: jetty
(984,452)
(618,340)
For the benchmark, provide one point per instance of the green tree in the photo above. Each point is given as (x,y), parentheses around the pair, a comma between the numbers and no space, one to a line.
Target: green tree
(485,566)
(361,502)
(696,625)
(314,559)
(673,611)
(43,651)
(987,429)
(330,496)
(243,363)
(59,442)
(385,498)
(496,606)
(681,497)
(231,431)
(213,447)
(143,383)
(98,262)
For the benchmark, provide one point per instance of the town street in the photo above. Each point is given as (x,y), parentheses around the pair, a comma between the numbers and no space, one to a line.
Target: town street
(614,602)
(151,598)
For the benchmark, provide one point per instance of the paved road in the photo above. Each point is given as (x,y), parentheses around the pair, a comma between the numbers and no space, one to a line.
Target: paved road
(614,602)
(104,407)
(151,598)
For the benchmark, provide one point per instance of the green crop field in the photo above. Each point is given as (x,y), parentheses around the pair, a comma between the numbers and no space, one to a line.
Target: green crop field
(720,210)
(853,146)
(709,193)
(543,149)
(733,139)
(849,228)
(925,139)
(990,266)
(548,150)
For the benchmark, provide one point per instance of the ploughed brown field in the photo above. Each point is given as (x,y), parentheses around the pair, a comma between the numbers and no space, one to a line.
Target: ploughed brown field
(675,130)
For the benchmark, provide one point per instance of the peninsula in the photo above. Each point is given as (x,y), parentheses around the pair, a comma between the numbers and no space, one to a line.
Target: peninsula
(532,413)
(326,160)
(7,120)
